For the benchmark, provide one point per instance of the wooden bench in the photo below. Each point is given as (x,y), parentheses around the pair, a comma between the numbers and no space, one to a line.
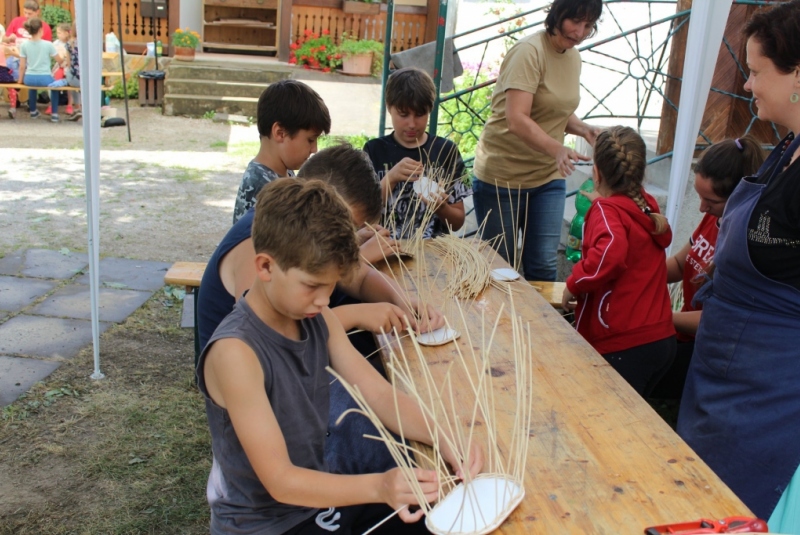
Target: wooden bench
(188,275)
(551,291)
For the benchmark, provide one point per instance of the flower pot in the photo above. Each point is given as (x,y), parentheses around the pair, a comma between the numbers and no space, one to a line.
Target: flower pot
(184,53)
(361,8)
(357,65)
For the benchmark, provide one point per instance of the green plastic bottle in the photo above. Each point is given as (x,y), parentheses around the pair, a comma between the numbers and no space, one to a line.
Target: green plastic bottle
(575,236)
(159,48)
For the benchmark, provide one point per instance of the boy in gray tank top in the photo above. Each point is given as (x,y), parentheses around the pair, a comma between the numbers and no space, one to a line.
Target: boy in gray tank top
(266,389)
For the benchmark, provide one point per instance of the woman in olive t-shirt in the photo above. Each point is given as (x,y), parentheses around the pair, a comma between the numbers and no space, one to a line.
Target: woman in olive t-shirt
(521,160)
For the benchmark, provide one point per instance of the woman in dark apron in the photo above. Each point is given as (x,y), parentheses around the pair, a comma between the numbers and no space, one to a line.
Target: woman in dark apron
(741,405)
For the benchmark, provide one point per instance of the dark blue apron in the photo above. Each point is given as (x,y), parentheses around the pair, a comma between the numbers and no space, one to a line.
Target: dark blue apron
(741,405)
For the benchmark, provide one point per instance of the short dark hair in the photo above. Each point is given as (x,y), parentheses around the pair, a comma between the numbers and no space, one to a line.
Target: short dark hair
(33,25)
(725,164)
(778,32)
(410,89)
(33,5)
(305,224)
(294,106)
(560,10)
(350,172)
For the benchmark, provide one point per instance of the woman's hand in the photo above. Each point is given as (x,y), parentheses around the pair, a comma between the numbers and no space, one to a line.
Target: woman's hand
(568,301)
(564,160)
(591,133)
(396,492)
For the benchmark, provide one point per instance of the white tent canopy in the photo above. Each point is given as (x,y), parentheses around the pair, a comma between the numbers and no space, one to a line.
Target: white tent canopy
(706,28)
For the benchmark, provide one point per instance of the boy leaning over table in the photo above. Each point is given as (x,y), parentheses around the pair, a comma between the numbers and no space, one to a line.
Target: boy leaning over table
(266,389)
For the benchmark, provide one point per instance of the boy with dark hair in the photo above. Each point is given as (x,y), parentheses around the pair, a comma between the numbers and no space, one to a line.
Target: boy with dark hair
(231,270)
(404,156)
(16,28)
(291,116)
(266,389)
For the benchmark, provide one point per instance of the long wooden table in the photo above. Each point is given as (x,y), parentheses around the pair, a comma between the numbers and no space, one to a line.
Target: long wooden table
(600,460)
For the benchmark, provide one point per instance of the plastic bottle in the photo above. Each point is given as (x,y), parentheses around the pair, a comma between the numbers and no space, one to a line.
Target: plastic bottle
(575,236)
(112,42)
(159,48)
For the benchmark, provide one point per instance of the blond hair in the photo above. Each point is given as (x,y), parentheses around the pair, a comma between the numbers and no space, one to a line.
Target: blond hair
(620,157)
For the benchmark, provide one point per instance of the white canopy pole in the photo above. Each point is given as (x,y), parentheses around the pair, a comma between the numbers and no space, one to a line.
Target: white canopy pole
(706,28)
(89,15)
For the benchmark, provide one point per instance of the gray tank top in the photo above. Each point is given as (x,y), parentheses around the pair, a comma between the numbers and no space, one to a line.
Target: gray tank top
(297,387)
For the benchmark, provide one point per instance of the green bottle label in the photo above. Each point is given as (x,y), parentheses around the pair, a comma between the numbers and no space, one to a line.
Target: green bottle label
(573,242)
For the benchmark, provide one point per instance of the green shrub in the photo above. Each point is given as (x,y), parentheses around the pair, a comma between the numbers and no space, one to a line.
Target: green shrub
(55,15)
(461,120)
(133,88)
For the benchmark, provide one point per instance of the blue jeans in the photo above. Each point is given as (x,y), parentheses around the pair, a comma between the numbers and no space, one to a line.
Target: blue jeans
(41,80)
(538,212)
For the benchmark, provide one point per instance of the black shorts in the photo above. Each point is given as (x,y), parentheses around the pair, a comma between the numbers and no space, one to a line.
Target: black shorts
(355,520)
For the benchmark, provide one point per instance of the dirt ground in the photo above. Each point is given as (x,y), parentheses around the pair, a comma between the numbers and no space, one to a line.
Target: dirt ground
(130,453)
(166,196)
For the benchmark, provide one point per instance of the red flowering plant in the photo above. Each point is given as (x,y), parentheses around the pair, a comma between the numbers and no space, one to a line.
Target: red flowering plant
(315,51)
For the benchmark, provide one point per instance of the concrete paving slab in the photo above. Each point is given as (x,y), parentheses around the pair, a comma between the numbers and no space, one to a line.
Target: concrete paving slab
(11,264)
(17,292)
(17,375)
(46,264)
(39,336)
(74,301)
(122,273)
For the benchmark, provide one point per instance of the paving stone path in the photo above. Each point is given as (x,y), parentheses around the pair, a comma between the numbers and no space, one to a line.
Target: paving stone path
(45,309)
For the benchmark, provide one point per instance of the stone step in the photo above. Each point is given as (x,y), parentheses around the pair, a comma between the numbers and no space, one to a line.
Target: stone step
(214,71)
(183,86)
(198,105)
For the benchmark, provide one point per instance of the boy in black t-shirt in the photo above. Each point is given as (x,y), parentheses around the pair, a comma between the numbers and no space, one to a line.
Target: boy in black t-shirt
(409,153)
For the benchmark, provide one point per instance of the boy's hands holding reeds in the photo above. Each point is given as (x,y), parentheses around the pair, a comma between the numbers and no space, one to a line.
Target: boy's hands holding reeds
(377,245)
(407,170)
(425,317)
(396,492)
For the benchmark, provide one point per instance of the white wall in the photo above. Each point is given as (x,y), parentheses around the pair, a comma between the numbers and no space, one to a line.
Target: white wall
(192,15)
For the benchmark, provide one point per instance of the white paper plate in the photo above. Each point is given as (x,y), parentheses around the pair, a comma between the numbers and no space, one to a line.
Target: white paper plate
(479,507)
(425,187)
(504,274)
(438,337)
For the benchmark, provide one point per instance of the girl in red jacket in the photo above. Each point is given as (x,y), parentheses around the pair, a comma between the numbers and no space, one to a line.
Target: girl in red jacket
(623,306)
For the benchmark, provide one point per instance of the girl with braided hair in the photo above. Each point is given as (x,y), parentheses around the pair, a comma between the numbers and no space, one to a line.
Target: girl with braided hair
(623,306)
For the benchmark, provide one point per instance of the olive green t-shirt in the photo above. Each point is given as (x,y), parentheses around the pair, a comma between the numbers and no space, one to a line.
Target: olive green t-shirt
(535,66)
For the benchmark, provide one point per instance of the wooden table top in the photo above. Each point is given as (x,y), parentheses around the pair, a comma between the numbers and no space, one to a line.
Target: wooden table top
(600,460)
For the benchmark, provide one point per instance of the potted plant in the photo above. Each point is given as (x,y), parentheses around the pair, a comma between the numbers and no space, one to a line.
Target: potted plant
(360,57)
(362,7)
(315,51)
(184,44)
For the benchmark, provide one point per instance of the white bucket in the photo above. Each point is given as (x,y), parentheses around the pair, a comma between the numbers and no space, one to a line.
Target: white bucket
(151,50)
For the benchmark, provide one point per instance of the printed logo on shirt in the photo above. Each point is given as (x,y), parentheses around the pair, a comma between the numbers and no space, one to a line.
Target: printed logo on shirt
(326,519)
(701,255)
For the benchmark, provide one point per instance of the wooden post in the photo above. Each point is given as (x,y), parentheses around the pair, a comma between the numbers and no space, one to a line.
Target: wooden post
(723,117)
(284,30)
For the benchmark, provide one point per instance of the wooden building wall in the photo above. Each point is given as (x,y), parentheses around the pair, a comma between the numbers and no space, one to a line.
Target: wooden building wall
(724,116)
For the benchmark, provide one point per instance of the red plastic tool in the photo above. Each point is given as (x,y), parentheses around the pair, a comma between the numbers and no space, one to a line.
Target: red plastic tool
(732,524)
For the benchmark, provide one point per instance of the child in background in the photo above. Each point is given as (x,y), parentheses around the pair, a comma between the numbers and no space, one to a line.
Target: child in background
(64,33)
(408,153)
(73,72)
(623,306)
(717,173)
(7,76)
(34,66)
(266,388)
(291,116)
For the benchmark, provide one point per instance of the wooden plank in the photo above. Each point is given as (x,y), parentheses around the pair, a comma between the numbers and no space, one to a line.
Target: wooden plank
(185,274)
(600,460)
(551,291)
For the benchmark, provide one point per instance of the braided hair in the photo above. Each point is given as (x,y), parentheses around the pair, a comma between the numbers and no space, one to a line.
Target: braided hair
(620,158)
